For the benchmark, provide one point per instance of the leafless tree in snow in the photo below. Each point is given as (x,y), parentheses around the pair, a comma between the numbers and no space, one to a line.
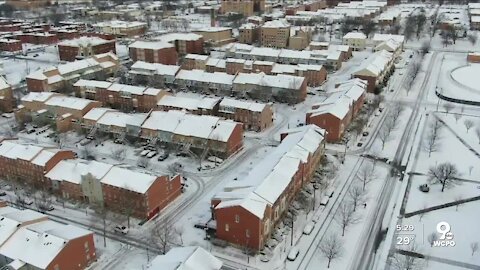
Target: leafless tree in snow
(366,174)
(383,136)
(331,248)
(179,231)
(396,112)
(477,132)
(404,262)
(103,214)
(431,141)
(357,196)
(444,174)
(447,106)
(468,124)
(163,237)
(432,237)
(472,38)
(474,247)
(119,153)
(457,117)
(346,216)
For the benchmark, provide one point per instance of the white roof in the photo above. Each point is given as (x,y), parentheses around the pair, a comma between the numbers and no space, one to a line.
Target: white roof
(95,113)
(71,67)
(179,36)
(276,24)
(385,37)
(40,243)
(153,45)
(273,174)
(44,156)
(68,102)
(240,104)
(38,96)
(376,63)
(199,57)
(85,42)
(11,218)
(203,76)
(155,68)
(134,90)
(92,83)
(275,81)
(188,103)
(355,35)
(186,258)
(130,180)
(120,24)
(73,170)
(13,150)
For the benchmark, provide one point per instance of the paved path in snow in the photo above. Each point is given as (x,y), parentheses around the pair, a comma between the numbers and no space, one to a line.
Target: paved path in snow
(438,259)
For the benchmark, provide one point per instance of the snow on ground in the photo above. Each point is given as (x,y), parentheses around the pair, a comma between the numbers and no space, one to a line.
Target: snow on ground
(457,78)
(464,227)
(16,69)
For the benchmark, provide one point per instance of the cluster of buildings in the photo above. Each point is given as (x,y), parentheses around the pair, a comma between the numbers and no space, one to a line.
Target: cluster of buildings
(358,41)
(84,47)
(121,28)
(247,211)
(63,76)
(183,258)
(91,182)
(474,14)
(29,240)
(335,113)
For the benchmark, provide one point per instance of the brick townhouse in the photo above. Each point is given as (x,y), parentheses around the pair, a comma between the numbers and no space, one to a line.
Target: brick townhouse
(254,116)
(54,78)
(246,215)
(26,235)
(28,163)
(7,101)
(376,70)
(83,47)
(154,74)
(200,106)
(10,45)
(117,188)
(184,43)
(120,96)
(337,112)
(121,28)
(153,52)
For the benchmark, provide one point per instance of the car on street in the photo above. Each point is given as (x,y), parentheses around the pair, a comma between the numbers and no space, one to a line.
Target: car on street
(43,208)
(365,133)
(162,157)
(120,229)
(3,193)
(144,153)
(307,230)
(293,254)
(324,200)
(151,154)
(25,201)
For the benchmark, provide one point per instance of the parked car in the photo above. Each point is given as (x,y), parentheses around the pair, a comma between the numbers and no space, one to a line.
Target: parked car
(30,130)
(120,229)
(3,193)
(293,254)
(307,230)
(424,188)
(181,154)
(364,134)
(144,153)
(324,200)
(330,192)
(6,115)
(151,154)
(264,258)
(163,156)
(46,207)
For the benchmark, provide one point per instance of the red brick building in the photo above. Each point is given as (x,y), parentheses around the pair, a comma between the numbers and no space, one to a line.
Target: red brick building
(74,49)
(254,116)
(25,232)
(120,96)
(185,43)
(38,38)
(153,52)
(10,45)
(339,109)
(247,215)
(28,163)
(473,57)
(7,101)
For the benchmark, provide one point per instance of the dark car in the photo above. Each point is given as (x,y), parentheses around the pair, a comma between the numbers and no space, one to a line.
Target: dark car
(163,157)
(3,193)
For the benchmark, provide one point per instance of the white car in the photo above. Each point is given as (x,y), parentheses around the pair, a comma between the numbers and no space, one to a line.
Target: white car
(121,229)
(151,154)
(324,200)
(293,254)
(144,153)
(307,230)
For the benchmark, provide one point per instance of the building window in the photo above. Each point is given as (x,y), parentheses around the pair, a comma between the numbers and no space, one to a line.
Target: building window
(56,267)
(227,228)
(247,233)
(237,219)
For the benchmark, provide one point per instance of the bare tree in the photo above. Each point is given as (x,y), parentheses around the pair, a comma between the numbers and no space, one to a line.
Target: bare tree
(425,48)
(457,198)
(447,107)
(444,174)
(331,248)
(468,124)
(457,117)
(383,136)
(357,196)
(405,262)
(430,143)
(179,231)
(472,38)
(163,237)
(103,214)
(346,216)
(61,140)
(474,247)
(432,237)
(396,112)
(366,174)
(477,132)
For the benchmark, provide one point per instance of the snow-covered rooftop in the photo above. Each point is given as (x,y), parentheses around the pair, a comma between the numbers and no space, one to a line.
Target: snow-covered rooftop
(186,258)
(68,102)
(38,96)
(154,68)
(240,104)
(127,179)
(85,42)
(152,45)
(73,170)
(188,103)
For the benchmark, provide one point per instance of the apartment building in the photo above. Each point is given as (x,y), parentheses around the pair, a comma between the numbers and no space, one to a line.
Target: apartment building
(249,33)
(199,106)
(153,52)
(115,187)
(194,61)
(245,7)
(154,74)
(54,78)
(27,163)
(31,241)
(7,101)
(254,116)
(10,45)
(246,214)
(83,47)
(356,40)
(275,34)
(121,28)
(124,97)
(300,38)
(337,112)
(184,43)
(376,69)
(217,36)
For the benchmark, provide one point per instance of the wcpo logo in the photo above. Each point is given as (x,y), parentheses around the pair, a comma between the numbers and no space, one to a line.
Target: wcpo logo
(446,235)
